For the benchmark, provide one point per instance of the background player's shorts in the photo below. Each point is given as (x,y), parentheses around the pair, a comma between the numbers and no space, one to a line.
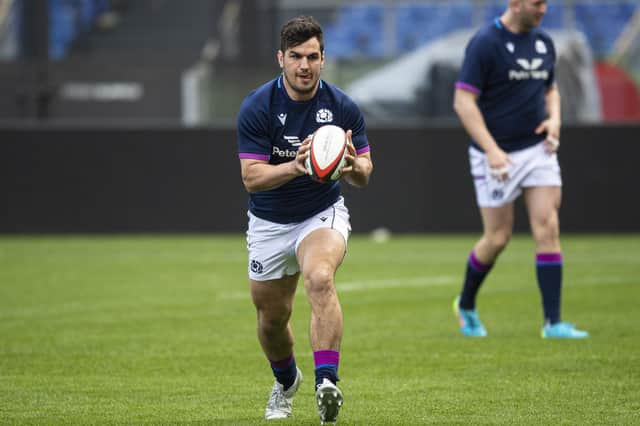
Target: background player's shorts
(272,246)
(531,167)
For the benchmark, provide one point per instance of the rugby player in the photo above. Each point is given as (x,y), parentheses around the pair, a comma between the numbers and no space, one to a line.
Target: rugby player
(298,227)
(508,102)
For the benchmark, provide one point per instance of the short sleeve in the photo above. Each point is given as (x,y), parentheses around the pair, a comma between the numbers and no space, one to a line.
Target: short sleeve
(552,74)
(475,66)
(354,121)
(253,133)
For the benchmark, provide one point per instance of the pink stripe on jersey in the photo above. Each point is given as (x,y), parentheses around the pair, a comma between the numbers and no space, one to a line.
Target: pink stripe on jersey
(363,150)
(251,156)
(468,87)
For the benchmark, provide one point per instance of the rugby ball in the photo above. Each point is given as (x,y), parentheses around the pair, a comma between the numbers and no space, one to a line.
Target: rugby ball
(327,153)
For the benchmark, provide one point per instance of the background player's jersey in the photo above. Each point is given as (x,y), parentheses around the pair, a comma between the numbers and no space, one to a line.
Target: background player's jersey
(511,74)
(271,127)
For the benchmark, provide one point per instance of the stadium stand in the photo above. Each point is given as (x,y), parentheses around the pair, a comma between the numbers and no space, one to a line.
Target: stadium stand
(9,30)
(68,20)
(602,22)
(411,31)
(555,17)
(359,29)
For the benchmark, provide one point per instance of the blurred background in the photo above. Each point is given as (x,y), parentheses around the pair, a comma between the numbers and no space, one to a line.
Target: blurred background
(191,63)
(113,112)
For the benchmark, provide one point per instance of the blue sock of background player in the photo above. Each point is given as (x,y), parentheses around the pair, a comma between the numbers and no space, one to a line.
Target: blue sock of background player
(475,275)
(549,273)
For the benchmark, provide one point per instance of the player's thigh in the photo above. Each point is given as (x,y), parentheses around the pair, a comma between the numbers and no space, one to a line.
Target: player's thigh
(322,248)
(542,204)
(498,221)
(274,298)
(322,241)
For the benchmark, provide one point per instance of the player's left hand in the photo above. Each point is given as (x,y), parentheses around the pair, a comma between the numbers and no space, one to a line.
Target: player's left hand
(552,141)
(351,157)
(358,167)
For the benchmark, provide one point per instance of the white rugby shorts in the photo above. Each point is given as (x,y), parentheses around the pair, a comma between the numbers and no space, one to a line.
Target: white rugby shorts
(531,167)
(272,246)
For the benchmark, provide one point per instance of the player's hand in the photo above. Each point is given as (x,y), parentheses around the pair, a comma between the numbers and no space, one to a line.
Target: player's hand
(351,158)
(552,141)
(301,156)
(498,164)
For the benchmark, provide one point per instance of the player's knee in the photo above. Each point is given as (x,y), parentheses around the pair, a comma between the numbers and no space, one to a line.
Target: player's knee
(546,230)
(498,240)
(319,279)
(274,322)
(547,236)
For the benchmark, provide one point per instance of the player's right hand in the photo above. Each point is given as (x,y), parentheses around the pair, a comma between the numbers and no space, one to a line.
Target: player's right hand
(301,156)
(499,161)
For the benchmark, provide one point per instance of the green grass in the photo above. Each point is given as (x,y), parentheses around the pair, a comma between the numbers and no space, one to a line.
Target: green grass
(161,330)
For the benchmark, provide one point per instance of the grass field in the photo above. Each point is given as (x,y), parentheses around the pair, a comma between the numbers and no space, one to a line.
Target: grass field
(161,330)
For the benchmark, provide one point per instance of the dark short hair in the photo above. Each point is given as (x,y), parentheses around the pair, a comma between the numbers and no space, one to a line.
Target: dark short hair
(298,30)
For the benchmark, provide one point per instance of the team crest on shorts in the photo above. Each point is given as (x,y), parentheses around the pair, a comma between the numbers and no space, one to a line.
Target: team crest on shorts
(497,194)
(324,116)
(256,267)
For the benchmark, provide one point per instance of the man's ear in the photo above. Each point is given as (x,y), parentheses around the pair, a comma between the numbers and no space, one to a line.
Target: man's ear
(281,58)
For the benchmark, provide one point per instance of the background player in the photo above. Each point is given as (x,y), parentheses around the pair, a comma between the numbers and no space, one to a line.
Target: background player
(297,226)
(509,104)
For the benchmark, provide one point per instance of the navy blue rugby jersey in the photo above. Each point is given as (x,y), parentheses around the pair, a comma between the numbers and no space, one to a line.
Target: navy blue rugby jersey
(511,74)
(272,126)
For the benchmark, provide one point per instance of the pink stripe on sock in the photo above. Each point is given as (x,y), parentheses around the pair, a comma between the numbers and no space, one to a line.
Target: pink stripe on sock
(283,363)
(549,258)
(326,357)
(476,264)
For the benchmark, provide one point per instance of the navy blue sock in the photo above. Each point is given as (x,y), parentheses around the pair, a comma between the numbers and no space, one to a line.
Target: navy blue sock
(549,272)
(285,371)
(475,275)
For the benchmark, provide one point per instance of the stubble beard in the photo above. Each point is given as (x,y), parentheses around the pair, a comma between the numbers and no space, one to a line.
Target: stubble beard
(301,90)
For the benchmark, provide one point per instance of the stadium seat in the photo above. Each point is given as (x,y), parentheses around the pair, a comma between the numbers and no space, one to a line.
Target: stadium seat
(68,19)
(418,23)
(357,32)
(553,19)
(602,23)
(62,28)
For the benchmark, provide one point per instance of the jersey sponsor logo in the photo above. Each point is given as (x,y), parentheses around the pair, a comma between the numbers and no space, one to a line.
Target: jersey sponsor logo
(324,116)
(282,117)
(294,141)
(529,70)
(533,65)
(283,153)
